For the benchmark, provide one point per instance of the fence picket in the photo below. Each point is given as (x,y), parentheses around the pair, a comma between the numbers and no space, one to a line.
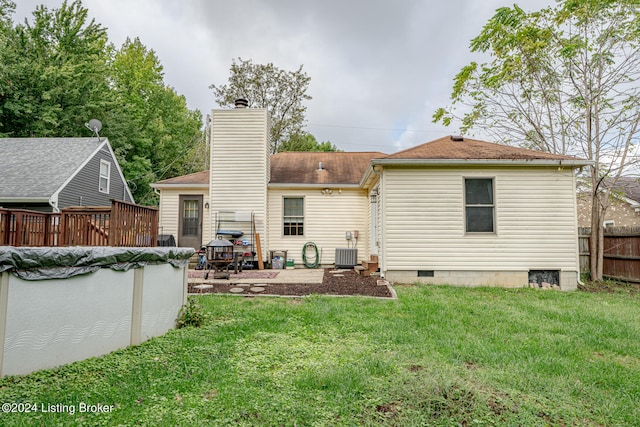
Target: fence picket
(621,252)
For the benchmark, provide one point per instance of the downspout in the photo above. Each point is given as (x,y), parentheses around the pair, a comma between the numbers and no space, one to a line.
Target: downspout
(53,202)
(575,210)
(382,255)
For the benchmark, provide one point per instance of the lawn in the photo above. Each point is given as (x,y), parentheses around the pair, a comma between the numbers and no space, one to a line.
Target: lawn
(436,356)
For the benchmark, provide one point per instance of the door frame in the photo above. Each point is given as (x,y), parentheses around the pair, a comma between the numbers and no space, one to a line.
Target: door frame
(194,241)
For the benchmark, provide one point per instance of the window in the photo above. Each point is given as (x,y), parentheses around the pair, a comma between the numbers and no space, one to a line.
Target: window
(190,218)
(105,176)
(293,217)
(479,205)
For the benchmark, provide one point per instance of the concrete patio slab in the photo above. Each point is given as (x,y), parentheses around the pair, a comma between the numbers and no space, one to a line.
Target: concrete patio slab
(258,277)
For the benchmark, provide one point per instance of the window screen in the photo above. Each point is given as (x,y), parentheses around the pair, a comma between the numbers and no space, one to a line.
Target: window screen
(293,218)
(479,205)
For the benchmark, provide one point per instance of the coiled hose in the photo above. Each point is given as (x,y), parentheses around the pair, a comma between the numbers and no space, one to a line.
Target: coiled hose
(314,262)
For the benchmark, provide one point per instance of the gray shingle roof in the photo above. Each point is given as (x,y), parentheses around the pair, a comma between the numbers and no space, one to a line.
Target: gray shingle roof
(37,167)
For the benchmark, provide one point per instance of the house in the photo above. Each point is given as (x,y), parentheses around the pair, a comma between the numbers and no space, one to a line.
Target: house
(624,209)
(454,210)
(49,174)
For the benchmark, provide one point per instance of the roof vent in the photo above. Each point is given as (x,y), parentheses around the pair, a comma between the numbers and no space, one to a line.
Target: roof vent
(241,103)
(457,138)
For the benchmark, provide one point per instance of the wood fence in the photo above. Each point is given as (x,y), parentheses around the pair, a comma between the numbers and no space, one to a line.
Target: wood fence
(122,224)
(621,252)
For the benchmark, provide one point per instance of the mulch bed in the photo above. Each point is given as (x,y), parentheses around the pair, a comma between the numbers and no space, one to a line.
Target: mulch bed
(350,283)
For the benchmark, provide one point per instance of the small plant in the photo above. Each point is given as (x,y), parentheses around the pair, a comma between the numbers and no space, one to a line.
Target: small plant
(191,314)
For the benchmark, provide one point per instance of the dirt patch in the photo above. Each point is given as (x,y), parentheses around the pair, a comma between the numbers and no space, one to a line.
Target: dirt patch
(350,283)
(611,287)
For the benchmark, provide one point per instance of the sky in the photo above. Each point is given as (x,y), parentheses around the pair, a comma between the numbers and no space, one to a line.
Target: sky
(378,68)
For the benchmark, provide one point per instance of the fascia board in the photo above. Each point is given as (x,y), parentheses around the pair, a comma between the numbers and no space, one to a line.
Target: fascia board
(178,186)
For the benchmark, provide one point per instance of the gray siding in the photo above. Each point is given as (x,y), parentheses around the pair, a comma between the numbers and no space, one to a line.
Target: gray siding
(82,190)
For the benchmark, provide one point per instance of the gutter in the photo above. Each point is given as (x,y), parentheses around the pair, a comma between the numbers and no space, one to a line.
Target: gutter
(482,162)
(314,186)
(24,199)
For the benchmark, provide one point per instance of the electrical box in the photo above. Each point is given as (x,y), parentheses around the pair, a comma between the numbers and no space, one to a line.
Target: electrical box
(348,235)
(355,234)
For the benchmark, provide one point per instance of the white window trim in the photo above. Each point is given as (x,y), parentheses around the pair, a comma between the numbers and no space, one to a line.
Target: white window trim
(493,206)
(101,177)
(304,230)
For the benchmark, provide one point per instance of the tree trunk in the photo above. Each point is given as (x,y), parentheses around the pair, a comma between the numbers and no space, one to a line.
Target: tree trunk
(596,239)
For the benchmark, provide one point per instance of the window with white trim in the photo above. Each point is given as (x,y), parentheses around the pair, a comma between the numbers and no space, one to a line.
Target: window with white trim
(293,216)
(105,176)
(479,205)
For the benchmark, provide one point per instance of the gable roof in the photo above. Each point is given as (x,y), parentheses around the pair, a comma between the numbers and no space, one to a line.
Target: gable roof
(338,168)
(38,167)
(627,187)
(458,148)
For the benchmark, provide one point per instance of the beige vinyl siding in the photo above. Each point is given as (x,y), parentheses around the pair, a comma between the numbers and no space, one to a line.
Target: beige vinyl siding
(424,226)
(326,219)
(170,211)
(239,163)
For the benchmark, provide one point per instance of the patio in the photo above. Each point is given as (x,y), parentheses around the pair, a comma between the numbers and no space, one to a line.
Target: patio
(293,283)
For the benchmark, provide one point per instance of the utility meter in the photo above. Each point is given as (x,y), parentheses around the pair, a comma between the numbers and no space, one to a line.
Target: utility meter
(348,235)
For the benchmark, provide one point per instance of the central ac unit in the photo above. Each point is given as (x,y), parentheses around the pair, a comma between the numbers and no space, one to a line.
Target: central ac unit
(346,258)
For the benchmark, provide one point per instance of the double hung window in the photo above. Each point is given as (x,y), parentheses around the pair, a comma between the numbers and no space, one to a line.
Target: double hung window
(479,205)
(293,216)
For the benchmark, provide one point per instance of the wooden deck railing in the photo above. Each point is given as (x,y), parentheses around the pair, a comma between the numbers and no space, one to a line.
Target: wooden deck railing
(122,224)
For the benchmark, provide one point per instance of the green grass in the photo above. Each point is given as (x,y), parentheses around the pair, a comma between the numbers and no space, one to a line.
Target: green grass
(437,356)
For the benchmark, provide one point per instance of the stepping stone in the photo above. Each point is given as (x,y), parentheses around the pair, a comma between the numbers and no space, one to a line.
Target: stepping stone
(382,282)
(236,290)
(242,285)
(338,275)
(257,289)
(203,286)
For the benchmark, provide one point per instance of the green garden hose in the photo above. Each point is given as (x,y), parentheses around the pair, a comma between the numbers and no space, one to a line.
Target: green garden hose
(315,261)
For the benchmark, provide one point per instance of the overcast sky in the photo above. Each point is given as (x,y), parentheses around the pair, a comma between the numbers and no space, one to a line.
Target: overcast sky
(379,69)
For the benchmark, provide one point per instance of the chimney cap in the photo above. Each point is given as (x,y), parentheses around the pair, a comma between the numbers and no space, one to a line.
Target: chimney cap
(241,103)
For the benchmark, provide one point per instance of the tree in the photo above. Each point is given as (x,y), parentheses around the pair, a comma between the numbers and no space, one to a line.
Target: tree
(281,92)
(563,79)
(59,71)
(54,73)
(151,129)
(306,142)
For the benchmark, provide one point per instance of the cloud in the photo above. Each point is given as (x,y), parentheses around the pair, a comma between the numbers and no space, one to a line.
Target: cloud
(378,68)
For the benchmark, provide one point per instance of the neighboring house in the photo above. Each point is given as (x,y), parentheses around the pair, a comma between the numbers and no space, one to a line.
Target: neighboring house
(451,211)
(49,174)
(624,210)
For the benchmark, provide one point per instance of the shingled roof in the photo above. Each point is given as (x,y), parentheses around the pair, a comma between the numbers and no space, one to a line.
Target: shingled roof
(37,167)
(304,167)
(190,179)
(458,148)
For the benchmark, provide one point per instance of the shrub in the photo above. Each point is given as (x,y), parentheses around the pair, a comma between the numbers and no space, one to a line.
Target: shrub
(191,314)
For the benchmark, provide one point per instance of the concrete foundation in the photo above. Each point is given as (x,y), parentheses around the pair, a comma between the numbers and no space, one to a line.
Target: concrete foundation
(504,279)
